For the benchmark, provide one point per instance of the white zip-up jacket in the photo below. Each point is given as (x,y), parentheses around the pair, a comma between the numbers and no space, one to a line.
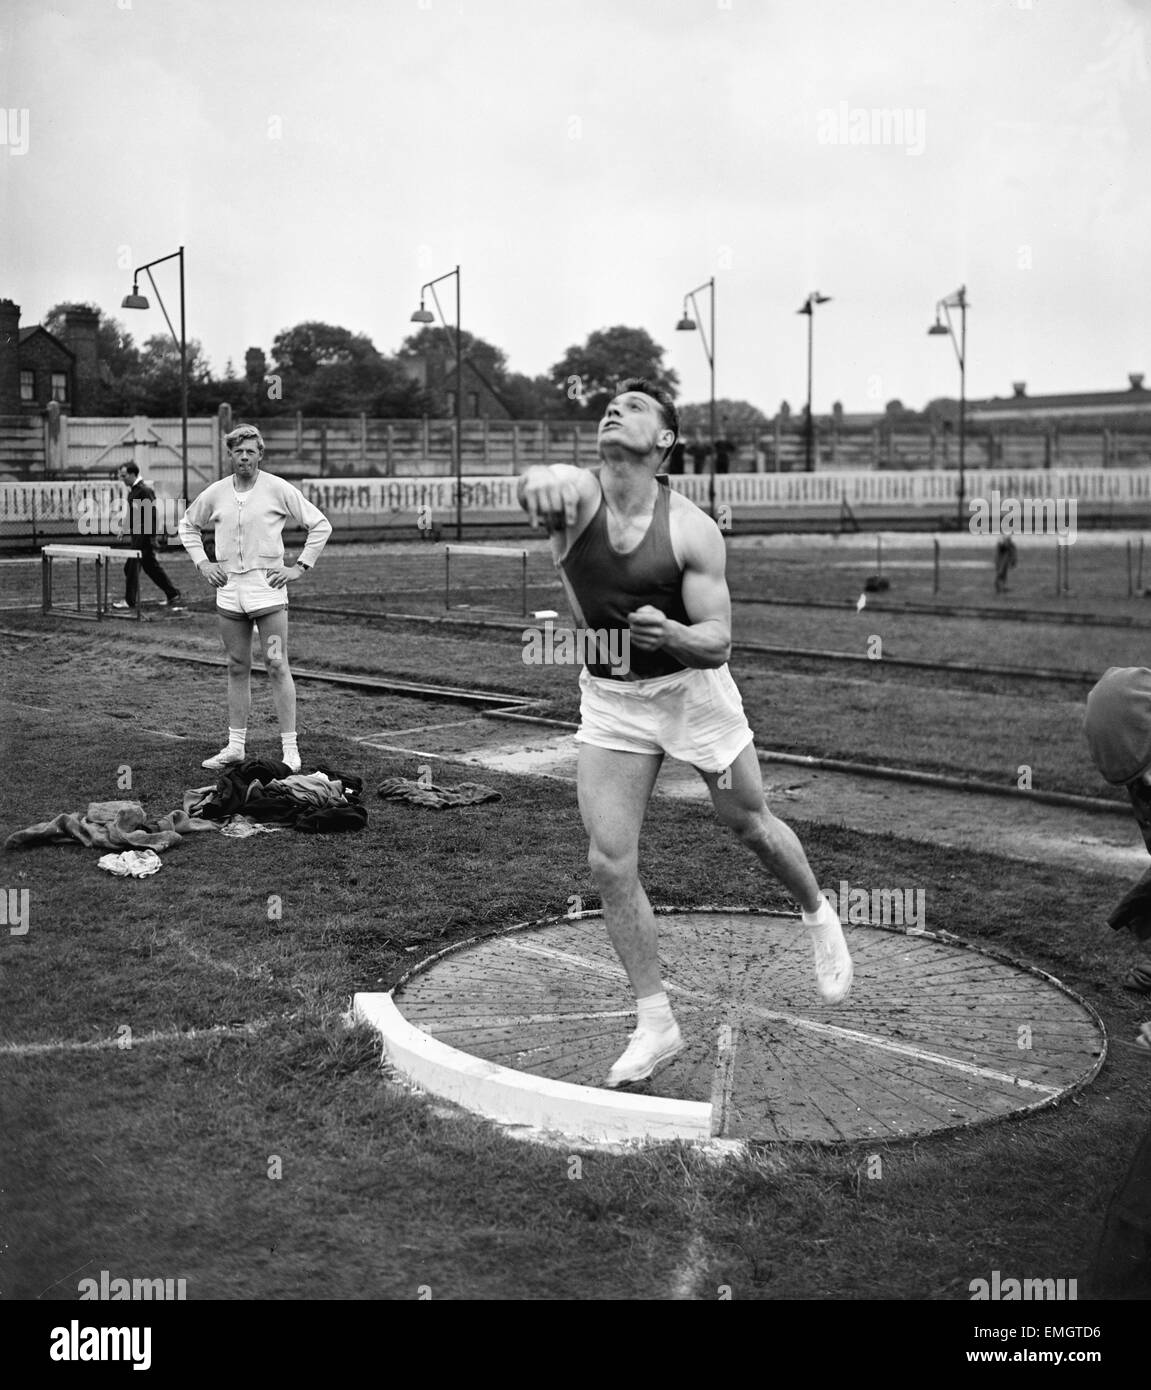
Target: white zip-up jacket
(249,533)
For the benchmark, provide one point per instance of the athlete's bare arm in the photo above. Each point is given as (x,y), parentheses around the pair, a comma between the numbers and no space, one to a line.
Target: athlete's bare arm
(556,495)
(562,499)
(706,640)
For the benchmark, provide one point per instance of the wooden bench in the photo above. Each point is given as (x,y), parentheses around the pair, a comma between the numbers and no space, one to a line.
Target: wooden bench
(102,555)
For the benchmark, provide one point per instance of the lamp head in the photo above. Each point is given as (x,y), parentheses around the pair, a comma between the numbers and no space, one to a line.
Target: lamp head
(135,300)
(423,315)
(938,330)
(685,325)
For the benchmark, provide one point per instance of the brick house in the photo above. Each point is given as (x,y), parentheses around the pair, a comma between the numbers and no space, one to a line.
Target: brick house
(36,367)
(436,374)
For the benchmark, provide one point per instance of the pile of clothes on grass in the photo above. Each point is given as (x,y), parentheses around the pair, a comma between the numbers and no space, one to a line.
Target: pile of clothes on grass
(253,794)
(267,793)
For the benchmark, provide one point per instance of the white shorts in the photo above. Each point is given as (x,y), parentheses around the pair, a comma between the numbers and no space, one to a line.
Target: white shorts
(249,596)
(695,715)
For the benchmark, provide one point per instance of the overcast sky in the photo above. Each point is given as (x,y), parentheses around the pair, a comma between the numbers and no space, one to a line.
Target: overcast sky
(587,162)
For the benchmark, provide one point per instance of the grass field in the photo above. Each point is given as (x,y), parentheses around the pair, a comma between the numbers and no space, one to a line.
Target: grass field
(241,1136)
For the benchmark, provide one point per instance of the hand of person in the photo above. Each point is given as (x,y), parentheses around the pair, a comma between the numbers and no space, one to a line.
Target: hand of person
(649,628)
(280,578)
(214,573)
(548,500)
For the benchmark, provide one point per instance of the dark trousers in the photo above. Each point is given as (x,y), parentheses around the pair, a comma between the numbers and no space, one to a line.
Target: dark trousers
(1123,1261)
(151,567)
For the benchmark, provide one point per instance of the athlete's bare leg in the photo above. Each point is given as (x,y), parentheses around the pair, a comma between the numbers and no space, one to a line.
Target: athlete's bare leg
(237,640)
(274,640)
(614,789)
(737,795)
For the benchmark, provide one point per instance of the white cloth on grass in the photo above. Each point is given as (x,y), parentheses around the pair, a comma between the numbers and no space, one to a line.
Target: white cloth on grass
(138,863)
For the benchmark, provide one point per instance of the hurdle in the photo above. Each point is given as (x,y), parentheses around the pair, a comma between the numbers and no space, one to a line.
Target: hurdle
(102,555)
(504,552)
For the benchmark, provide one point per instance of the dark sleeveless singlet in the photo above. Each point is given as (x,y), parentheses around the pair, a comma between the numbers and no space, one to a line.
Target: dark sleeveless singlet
(604,586)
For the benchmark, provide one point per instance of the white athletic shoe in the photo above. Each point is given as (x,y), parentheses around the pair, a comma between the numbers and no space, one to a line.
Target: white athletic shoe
(226,757)
(833,968)
(292,763)
(647,1050)
(121,603)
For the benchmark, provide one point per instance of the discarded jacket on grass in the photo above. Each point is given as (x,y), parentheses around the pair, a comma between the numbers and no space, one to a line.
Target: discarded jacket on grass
(111,825)
(319,801)
(428,794)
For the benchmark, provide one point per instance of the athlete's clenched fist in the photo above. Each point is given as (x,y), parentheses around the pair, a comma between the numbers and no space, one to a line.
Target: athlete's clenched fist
(648,627)
(550,501)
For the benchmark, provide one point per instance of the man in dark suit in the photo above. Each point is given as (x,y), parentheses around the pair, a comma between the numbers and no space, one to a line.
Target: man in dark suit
(142,525)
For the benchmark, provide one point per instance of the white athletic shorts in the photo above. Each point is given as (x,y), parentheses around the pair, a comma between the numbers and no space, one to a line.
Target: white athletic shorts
(249,596)
(695,715)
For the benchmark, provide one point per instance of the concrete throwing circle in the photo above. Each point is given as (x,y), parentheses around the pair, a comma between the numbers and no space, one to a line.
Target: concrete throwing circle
(935,1035)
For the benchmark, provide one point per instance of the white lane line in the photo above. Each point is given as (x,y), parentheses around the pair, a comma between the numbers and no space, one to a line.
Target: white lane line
(95,714)
(723,1078)
(690,1270)
(410,752)
(420,729)
(123,1044)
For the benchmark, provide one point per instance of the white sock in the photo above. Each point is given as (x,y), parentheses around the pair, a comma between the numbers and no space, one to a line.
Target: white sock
(655,1012)
(237,738)
(289,742)
(823,916)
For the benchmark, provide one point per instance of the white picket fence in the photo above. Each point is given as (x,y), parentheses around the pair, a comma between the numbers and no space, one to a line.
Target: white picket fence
(377,496)
(372,501)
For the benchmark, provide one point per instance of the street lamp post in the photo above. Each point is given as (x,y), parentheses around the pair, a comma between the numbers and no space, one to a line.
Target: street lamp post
(136,300)
(423,315)
(687,324)
(958,300)
(808,308)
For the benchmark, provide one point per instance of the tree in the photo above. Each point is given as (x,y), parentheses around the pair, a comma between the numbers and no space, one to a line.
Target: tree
(588,376)
(324,370)
(532,398)
(735,420)
(441,343)
(156,388)
(300,351)
(118,354)
(942,410)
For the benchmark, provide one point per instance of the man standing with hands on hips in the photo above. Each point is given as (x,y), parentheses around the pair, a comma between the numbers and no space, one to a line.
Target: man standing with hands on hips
(247,513)
(642,559)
